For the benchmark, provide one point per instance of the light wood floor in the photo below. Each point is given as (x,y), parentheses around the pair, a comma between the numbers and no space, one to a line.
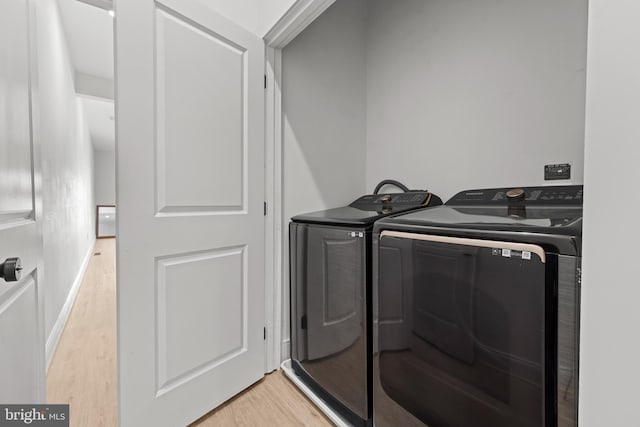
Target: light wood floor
(274,401)
(83,370)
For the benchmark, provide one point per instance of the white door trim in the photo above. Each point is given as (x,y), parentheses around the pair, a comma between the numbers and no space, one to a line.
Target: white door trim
(297,18)
(294,21)
(38,213)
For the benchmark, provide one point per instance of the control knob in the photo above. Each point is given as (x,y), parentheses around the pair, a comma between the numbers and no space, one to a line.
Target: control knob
(516,195)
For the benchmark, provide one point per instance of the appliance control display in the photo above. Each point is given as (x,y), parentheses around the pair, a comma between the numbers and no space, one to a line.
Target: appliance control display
(552,195)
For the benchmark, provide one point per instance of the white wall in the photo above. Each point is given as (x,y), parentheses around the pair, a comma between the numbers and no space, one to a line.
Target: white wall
(323,96)
(257,16)
(272,11)
(104,177)
(67,165)
(610,348)
(471,94)
(245,13)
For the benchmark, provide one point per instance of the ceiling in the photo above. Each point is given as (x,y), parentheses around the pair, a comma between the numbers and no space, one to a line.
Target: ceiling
(89,32)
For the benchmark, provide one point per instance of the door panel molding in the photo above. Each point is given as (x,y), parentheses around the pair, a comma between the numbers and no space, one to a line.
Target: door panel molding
(221,159)
(165,380)
(19,320)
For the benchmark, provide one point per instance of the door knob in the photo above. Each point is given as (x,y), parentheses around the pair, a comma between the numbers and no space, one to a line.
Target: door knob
(11,269)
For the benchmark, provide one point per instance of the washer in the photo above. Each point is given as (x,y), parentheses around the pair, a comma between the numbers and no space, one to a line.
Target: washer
(330,271)
(476,311)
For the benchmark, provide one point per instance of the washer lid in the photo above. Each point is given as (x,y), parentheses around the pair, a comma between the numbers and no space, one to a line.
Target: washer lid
(349,216)
(538,219)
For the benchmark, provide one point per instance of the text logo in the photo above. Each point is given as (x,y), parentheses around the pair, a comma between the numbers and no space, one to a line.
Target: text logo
(34,415)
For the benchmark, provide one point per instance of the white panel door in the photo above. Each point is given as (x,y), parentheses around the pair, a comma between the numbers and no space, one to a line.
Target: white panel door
(21,323)
(190,190)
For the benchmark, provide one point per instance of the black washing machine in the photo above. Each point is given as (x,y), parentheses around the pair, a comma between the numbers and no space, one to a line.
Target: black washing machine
(476,311)
(330,279)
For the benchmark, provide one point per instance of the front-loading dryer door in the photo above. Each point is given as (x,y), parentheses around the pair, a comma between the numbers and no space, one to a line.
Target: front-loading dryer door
(335,290)
(461,332)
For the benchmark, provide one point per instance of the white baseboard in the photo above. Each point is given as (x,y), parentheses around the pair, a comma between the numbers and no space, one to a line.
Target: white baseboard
(285,352)
(58,327)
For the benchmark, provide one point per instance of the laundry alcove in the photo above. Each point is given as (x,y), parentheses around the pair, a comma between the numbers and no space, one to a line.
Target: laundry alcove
(438,94)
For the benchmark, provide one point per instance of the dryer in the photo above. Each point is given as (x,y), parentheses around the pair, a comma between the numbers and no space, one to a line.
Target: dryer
(330,277)
(476,308)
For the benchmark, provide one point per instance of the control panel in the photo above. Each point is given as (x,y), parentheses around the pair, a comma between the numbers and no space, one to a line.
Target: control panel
(557,195)
(552,172)
(393,200)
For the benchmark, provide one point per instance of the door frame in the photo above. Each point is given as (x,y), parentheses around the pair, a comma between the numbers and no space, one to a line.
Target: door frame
(299,16)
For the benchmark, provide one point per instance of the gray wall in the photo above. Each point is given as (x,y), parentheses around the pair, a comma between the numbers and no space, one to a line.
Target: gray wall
(105,177)
(324,116)
(470,94)
(457,95)
(67,165)
(610,347)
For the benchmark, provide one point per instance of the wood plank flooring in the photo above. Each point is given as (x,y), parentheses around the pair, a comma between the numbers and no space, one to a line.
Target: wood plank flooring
(83,371)
(274,401)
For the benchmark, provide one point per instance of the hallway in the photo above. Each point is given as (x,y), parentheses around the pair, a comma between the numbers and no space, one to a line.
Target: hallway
(83,370)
